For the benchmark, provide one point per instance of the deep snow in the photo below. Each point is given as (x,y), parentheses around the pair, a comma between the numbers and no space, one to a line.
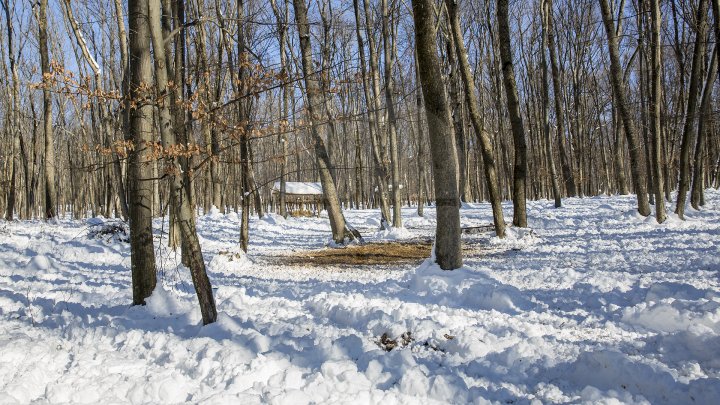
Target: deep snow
(593,304)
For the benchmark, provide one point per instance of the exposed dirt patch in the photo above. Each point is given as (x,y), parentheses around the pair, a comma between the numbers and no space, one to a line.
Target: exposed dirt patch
(367,254)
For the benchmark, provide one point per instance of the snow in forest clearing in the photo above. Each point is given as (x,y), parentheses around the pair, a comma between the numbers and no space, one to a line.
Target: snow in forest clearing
(595,304)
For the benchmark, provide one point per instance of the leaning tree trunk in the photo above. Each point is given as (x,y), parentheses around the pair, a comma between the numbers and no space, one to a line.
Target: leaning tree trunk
(49,173)
(340,229)
(178,197)
(486,147)
(655,100)
(696,196)
(142,252)
(688,139)
(516,122)
(448,252)
(618,84)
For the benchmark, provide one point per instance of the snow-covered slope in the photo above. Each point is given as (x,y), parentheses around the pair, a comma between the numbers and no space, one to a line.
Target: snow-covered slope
(595,304)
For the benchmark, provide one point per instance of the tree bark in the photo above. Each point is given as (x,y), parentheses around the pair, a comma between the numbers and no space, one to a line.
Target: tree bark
(142,252)
(448,252)
(49,172)
(516,121)
(340,229)
(567,171)
(178,198)
(618,84)
(546,15)
(484,139)
(655,101)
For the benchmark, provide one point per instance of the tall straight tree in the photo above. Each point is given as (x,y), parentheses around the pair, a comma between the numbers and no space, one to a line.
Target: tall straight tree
(486,147)
(559,110)
(13,115)
(545,16)
(340,229)
(655,101)
(389,52)
(689,135)
(618,85)
(140,130)
(448,252)
(516,121)
(49,172)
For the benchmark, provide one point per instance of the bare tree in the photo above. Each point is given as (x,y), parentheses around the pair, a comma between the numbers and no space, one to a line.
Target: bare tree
(340,229)
(142,252)
(516,121)
(448,251)
(618,84)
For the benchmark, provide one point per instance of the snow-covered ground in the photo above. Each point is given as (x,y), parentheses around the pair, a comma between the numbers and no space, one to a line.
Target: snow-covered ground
(595,304)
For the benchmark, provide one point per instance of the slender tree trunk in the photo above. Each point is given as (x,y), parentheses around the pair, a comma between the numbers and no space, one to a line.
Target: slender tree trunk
(448,252)
(655,100)
(546,12)
(516,122)
(559,110)
(389,47)
(696,197)
(689,135)
(49,173)
(616,77)
(178,197)
(484,139)
(340,229)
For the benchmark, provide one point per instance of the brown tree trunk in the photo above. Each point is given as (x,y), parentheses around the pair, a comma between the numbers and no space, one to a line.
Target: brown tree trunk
(546,13)
(142,252)
(178,197)
(559,110)
(448,252)
(697,196)
(49,173)
(655,101)
(340,229)
(484,139)
(618,84)
(516,122)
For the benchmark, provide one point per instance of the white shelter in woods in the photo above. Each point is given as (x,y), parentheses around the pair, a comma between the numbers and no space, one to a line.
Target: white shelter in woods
(299,196)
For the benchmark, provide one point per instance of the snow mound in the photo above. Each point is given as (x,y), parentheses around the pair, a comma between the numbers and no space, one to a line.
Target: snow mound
(516,238)
(229,262)
(273,219)
(166,303)
(464,288)
(393,234)
(214,213)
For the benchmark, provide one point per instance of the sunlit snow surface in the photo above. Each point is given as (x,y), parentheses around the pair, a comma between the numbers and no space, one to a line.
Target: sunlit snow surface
(596,304)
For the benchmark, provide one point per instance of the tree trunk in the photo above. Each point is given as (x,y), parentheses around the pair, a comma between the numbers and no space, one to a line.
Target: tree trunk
(484,139)
(142,252)
(178,197)
(696,197)
(516,122)
(338,225)
(546,15)
(448,252)
(618,84)
(559,110)
(655,100)
(389,48)
(49,173)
